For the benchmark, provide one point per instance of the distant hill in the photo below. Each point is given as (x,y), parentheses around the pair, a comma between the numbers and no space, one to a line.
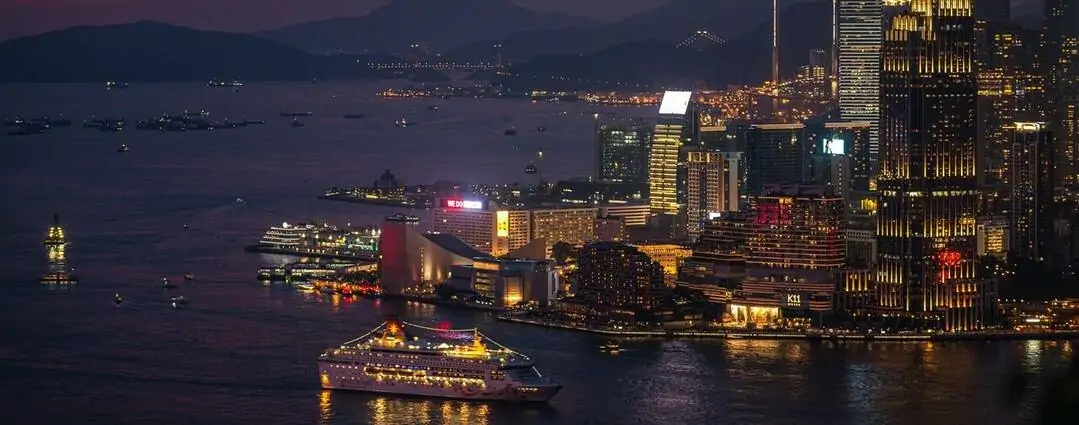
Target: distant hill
(671,22)
(656,63)
(151,51)
(445,25)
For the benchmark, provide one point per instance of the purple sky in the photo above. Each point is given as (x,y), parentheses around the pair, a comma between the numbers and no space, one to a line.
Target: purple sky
(24,17)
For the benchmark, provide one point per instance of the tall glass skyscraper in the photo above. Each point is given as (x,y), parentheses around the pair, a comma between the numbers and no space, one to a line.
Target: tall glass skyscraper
(859,27)
(622,152)
(928,189)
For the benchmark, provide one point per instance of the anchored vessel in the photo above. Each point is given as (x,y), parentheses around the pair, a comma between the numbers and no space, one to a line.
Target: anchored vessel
(448,364)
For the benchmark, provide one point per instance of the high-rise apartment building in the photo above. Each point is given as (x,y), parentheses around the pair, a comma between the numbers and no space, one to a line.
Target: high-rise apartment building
(996,61)
(1031,215)
(798,227)
(859,32)
(622,152)
(669,134)
(928,188)
(711,185)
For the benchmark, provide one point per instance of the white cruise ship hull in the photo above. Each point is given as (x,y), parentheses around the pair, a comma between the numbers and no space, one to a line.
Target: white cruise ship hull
(335,376)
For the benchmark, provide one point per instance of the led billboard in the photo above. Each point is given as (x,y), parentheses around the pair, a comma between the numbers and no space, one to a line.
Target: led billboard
(462,204)
(835,147)
(502,224)
(675,102)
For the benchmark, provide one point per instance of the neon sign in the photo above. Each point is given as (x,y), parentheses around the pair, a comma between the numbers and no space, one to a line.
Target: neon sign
(460,203)
(949,258)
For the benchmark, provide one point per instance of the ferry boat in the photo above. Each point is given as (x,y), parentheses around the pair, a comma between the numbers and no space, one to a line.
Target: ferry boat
(456,364)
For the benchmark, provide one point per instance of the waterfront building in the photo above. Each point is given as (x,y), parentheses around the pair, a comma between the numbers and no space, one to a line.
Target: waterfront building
(775,153)
(1031,224)
(861,236)
(412,262)
(675,125)
(619,281)
(668,255)
(795,251)
(711,186)
(928,187)
(717,264)
(859,33)
(506,283)
(993,237)
(622,152)
(497,231)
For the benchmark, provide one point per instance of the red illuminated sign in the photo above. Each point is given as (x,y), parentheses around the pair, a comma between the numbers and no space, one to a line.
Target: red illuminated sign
(773,214)
(949,258)
(462,204)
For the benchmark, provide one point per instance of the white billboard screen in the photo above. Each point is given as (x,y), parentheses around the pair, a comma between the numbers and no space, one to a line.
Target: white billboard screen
(675,102)
(835,147)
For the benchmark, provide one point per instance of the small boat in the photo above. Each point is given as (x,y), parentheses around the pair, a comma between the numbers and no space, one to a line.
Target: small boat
(296,114)
(611,347)
(353,116)
(404,123)
(178,300)
(510,131)
(432,107)
(305,286)
(541,129)
(124,148)
(115,85)
(531,168)
(240,201)
(297,123)
(165,283)
(190,277)
(118,300)
(185,227)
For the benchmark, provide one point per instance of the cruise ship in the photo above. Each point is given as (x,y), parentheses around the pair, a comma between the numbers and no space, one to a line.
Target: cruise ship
(286,235)
(460,364)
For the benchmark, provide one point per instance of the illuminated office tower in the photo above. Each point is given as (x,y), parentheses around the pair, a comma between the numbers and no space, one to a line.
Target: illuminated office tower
(839,157)
(663,155)
(928,190)
(1061,51)
(859,26)
(996,52)
(711,185)
(622,152)
(1032,190)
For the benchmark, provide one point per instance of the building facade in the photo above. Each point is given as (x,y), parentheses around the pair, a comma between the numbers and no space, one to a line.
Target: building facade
(1031,213)
(928,185)
(711,186)
(859,32)
(622,152)
(619,280)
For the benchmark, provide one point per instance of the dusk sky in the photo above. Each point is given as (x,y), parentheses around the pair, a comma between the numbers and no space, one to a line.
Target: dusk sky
(25,17)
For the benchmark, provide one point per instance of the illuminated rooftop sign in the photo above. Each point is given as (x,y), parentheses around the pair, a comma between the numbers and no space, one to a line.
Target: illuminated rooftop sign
(462,204)
(675,102)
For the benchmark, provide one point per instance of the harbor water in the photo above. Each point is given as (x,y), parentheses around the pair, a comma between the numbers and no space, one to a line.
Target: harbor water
(241,351)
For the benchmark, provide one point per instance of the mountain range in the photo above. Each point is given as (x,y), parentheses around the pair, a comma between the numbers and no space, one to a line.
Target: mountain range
(152,51)
(656,63)
(444,25)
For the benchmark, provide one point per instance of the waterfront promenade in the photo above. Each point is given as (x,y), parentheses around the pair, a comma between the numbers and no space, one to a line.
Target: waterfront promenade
(988,335)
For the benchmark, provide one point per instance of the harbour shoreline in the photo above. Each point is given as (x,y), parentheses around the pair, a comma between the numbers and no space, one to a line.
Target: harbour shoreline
(812,336)
(359,200)
(266,249)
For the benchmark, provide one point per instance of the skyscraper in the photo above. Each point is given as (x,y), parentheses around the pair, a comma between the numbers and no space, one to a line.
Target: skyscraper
(928,189)
(1031,218)
(1061,55)
(622,152)
(859,25)
(996,53)
(711,185)
(675,119)
(775,153)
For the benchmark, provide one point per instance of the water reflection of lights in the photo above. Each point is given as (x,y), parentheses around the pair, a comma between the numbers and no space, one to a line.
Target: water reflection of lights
(389,410)
(1032,355)
(325,407)
(335,302)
